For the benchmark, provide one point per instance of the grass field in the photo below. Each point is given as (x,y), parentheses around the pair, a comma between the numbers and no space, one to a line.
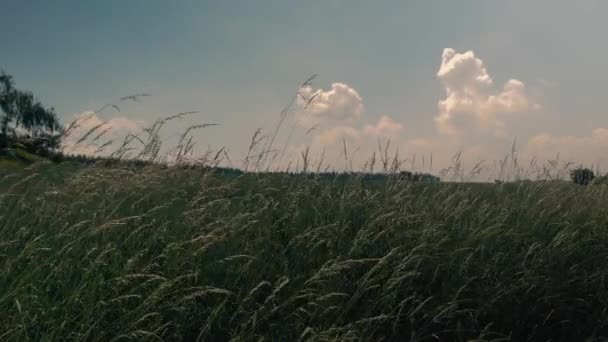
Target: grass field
(126,253)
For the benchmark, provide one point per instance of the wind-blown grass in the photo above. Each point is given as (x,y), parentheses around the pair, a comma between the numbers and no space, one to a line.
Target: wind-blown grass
(147,246)
(119,252)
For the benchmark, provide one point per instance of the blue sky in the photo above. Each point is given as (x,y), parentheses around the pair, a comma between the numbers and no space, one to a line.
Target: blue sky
(239,62)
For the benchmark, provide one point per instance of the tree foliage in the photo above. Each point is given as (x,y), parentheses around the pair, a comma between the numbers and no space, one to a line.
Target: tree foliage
(582,176)
(23,118)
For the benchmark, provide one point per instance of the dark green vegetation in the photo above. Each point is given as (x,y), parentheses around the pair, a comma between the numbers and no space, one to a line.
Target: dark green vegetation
(29,132)
(142,252)
(582,176)
(25,122)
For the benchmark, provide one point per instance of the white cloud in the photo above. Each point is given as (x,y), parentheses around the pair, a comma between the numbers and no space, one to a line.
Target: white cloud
(337,113)
(361,141)
(473,113)
(471,98)
(365,138)
(336,135)
(385,126)
(340,104)
(470,121)
(337,116)
(91,132)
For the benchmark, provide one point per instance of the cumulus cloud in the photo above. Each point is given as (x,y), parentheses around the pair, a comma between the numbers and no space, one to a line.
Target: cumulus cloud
(471,97)
(332,117)
(471,119)
(91,135)
(340,111)
(340,104)
(386,126)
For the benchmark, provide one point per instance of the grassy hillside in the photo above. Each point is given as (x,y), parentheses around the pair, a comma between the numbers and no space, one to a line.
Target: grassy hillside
(148,253)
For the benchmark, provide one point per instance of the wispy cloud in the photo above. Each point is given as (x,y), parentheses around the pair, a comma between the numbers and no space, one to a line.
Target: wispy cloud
(587,149)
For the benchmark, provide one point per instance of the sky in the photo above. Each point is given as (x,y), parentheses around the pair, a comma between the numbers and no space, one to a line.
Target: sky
(436,77)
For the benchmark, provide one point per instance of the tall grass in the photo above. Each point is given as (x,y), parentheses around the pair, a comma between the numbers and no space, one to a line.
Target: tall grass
(166,253)
(162,252)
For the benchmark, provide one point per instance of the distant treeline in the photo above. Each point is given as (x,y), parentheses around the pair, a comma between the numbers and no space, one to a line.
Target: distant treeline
(333,176)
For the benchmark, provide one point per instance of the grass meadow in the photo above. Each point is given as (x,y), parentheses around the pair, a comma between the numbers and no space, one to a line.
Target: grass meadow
(134,248)
(93,252)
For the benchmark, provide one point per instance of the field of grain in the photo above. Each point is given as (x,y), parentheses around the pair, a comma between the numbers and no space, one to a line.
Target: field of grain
(148,253)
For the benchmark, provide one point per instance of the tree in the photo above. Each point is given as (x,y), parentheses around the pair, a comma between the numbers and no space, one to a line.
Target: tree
(582,176)
(21,113)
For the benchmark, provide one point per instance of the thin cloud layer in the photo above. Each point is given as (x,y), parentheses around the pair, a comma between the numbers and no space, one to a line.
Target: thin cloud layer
(588,149)
(386,127)
(472,101)
(335,135)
